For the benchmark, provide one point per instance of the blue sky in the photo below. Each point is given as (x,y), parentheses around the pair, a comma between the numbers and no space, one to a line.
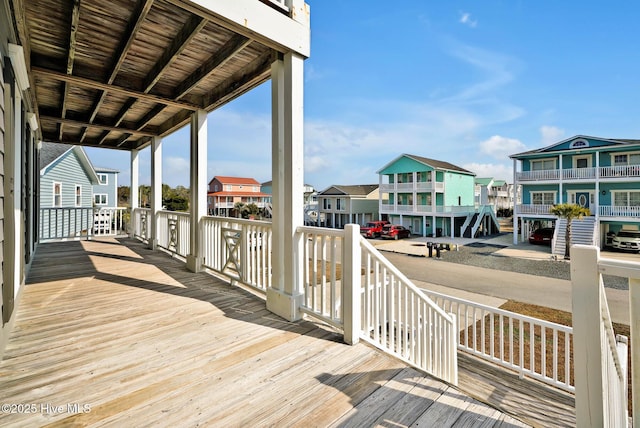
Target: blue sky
(464,82)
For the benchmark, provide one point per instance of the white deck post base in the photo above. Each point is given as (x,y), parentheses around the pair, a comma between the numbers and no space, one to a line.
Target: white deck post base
(284,305)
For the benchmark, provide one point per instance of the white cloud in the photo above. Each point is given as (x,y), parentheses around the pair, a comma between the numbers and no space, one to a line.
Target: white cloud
(551,135)
(465,18)
(497,171)
(501,147)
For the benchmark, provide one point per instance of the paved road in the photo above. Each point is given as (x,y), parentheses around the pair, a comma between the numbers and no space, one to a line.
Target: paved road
(477,284)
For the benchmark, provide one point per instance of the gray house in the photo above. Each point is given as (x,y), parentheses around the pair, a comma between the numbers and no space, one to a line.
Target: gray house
(105,193)
(66,177)
(66,191)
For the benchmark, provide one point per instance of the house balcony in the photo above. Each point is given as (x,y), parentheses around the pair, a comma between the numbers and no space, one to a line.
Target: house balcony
(198,336)
(608,173)
(426,209)
(420,186)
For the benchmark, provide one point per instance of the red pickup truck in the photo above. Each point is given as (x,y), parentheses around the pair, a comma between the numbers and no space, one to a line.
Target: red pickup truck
(373,229)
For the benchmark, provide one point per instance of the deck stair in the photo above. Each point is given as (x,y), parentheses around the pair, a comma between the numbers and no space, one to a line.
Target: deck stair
(583,231)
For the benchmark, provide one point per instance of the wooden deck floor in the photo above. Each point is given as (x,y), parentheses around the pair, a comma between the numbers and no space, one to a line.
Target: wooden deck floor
(109,333)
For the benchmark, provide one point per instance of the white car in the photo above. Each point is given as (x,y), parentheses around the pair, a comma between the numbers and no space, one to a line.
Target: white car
(627,240)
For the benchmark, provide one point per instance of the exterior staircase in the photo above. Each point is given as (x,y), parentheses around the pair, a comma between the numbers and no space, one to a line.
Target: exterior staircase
(582,232)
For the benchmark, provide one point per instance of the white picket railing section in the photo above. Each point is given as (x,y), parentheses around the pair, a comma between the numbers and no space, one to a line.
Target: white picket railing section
(600,356)
(77,222)
(238,249)
(514,349)
(400,319)
(174,232)
(322,270)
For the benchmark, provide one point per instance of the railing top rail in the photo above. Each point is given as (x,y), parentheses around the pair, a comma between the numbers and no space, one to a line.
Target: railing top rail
(622,268)
(177,213)
(524,318)
(320,231)
(238,220)
(406,281)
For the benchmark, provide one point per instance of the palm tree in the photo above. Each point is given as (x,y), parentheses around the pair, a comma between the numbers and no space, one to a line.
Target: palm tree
(569,212)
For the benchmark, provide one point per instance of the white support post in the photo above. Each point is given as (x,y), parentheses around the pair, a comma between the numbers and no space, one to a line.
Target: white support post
(156,190)
(198,185)
(134,200)
(351,278)
(284,298)
(587,340)
(515,202)
(634,317)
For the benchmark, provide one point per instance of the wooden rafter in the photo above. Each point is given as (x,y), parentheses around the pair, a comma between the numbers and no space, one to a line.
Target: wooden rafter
(96,125)
(94,84)
(187,33)
(71,53)
(232,47)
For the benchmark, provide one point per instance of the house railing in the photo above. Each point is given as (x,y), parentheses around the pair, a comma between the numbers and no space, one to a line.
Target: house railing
(174,232)
(603,172)
(426,209)
(140,221)
(533,209)
(579,173)
(619,211)
(237,249)
(600,356)
(400,319)
(418,186)
(78,222)
(532,347)
(347,283)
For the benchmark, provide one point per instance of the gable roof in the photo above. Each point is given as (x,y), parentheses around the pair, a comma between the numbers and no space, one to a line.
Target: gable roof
(234,180)
(550,148)
(350,190)
(433,163)
(50,153)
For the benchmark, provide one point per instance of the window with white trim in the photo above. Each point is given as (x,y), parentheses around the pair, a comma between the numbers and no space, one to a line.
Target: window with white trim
(622,159)
(630,198)
(103,178)
(542,164)
(57,194)
(100,198)
(543,198)
(78,195)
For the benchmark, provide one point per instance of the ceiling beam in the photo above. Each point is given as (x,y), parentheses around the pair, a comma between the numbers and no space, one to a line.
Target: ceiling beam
(234,45)
(96,125)
(71,54)
(93,84)
(190,29)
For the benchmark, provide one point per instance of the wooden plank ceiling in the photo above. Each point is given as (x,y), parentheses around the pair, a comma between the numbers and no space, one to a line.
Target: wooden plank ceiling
(116,73)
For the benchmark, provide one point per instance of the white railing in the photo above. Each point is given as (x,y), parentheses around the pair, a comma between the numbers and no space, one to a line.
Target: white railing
(619,211)
(505,338)
(322,268)
(533,209)
(140,221)
(620,171)
(547,174)
(238,249)
(579,173)
(600,356)
(72,222)
(400,319)
(174,232)
(392,313)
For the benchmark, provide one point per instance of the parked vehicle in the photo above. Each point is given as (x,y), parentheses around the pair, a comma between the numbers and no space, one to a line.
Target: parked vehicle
(395,231)
(628,240)
(542,236)
(373,229)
